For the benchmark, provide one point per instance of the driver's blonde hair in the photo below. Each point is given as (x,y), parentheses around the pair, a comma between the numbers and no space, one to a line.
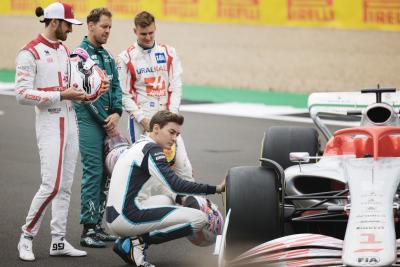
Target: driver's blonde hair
(144,19)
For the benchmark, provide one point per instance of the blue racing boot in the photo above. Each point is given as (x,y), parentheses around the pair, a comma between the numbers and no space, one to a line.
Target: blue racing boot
(132,251)
(122,247)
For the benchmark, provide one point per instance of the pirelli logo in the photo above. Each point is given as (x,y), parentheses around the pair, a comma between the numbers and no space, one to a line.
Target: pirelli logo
(382,11)
(181,8)
(24,5)
(239,9)
(311,10)
(123,6)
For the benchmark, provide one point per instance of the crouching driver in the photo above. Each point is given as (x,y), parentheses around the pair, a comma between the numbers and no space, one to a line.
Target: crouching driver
(142,219)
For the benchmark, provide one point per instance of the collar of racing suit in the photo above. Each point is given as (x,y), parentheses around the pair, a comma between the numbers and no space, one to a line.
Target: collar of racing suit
(147,49)
(147,137)
(91,46)
(53,44)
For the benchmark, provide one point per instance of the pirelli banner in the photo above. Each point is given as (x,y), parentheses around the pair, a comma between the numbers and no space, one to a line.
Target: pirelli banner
(354,14)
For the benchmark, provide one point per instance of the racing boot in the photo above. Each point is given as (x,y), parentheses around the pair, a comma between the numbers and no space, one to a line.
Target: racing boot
(132,251)
(139,253)
(90,239)
(25,248)
(60,247)
(122,247)
(102,235)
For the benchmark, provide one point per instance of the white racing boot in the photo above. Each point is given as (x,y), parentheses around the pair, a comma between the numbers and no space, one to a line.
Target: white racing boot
(139,253)
(25,248)
(60,247)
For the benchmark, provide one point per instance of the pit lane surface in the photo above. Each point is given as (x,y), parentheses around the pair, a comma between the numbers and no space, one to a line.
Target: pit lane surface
(214,143)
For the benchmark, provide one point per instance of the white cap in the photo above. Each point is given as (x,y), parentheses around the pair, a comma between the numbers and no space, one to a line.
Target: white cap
(61,11)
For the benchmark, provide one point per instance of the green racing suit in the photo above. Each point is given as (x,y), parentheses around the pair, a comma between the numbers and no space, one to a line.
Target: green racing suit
(94,184)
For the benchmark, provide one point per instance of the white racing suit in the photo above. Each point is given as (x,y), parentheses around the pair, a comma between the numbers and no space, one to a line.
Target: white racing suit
(151,81)
(41,73)
(131,208)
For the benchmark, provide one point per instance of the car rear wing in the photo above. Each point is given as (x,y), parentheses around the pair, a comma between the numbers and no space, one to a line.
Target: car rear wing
(343,104)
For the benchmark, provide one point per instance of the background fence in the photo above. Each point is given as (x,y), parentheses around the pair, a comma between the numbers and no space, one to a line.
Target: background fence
(349,14)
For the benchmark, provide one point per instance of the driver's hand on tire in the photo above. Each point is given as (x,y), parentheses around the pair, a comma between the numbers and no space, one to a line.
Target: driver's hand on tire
(221,187)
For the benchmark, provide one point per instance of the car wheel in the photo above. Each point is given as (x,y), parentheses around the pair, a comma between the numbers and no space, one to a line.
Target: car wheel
(254,196)
(279,141)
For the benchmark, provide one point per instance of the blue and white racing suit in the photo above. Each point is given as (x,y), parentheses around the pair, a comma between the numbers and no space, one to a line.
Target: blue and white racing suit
(132,209)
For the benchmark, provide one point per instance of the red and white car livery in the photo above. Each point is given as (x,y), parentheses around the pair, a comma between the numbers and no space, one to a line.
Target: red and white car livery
(307,207)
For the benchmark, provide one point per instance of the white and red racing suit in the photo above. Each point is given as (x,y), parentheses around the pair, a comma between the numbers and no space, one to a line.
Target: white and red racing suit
(151,80)
(131,208)
(42,71)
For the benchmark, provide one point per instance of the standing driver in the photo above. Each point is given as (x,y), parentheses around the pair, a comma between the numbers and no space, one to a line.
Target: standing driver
(42,77)
(96,121)
(151,80)
(139,217)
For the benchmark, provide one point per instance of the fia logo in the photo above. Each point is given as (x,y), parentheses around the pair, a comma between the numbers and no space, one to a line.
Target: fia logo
(160,58)
(368,260)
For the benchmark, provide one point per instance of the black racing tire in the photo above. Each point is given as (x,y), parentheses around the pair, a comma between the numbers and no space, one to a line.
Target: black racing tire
(279,141)
(254,196)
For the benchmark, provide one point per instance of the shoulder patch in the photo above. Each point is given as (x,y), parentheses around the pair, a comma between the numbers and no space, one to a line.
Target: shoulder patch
(150,145)
(31,48)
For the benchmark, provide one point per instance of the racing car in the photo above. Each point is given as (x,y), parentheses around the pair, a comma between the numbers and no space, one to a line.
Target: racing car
(304,206)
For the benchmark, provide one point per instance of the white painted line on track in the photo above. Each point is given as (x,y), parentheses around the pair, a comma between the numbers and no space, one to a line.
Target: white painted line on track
(6,88)
(251,110)
(248,110)
(258,111)
(7,92)
(1,112)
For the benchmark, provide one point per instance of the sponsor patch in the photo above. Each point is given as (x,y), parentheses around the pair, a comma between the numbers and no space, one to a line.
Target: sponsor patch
(160,157)
(54,110)
(160,58)
(152,69)
(24,68)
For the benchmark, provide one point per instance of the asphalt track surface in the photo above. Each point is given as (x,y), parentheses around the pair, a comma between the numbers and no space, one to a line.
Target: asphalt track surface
(214,143)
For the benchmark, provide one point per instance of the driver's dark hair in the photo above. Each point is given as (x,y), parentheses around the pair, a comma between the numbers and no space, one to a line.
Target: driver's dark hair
(163,117)
(95,14)
(39,11)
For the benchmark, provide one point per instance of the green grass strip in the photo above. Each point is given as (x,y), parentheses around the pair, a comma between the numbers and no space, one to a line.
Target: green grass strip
(7,76)
(221,95)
